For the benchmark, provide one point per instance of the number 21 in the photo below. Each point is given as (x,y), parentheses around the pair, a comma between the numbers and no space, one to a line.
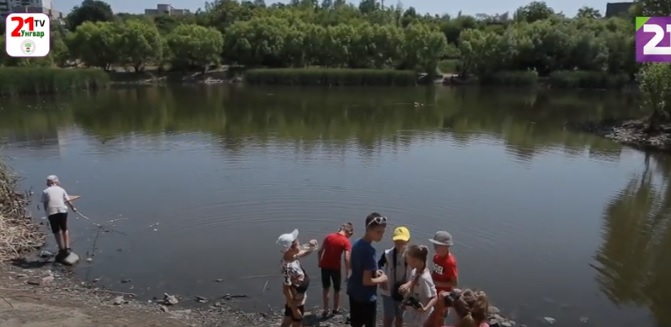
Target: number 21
(652,47)
(30,21)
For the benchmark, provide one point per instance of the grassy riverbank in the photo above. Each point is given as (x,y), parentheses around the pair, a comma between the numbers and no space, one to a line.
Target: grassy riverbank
(33,80)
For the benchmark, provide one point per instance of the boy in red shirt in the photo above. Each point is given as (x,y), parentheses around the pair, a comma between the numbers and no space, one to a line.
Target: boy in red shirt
(444,275)
(332,249)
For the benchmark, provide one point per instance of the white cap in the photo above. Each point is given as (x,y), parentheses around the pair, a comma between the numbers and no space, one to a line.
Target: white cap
(286,240)
(52,178)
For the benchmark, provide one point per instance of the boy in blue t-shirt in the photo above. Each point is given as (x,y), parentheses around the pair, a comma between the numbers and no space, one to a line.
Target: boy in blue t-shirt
(362,285)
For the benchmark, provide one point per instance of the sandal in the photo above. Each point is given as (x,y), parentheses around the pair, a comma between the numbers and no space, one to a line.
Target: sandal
(325,314)
(336,312)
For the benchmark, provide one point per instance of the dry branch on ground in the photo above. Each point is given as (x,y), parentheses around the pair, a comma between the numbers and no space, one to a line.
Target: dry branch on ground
(18,234)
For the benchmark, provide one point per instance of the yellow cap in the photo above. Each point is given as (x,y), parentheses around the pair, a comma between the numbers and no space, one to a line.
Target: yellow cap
(401,233)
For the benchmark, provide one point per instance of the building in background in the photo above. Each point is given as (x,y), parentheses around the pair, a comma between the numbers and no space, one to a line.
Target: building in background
(31,6)
(4,8)
(164,9)
(618,9)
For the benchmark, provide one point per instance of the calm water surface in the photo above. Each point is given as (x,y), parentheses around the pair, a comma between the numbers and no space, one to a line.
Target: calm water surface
(547,221)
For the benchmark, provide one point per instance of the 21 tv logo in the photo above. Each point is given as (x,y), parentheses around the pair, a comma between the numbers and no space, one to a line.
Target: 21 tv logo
(27,35)
(653,39)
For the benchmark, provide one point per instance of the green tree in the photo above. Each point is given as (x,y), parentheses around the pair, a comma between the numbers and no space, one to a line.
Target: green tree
(424,47)
(655,85)
(166,24)
(194,46)
(96,44)
(139,43)
(89,11)
(655,7)
(588,12)
(534,11)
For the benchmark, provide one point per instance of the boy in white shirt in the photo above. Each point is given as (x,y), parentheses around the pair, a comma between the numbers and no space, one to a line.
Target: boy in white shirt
(56,201)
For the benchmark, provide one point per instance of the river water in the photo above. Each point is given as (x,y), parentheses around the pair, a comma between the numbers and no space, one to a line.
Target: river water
(547,221)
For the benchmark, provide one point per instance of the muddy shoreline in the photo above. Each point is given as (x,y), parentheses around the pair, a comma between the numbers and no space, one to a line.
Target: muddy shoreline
(41,282)
(35,283)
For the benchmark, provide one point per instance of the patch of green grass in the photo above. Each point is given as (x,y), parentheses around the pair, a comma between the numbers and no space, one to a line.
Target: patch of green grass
(31,81)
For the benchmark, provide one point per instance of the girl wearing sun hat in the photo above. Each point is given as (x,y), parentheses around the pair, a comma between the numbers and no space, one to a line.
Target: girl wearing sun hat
(295,279)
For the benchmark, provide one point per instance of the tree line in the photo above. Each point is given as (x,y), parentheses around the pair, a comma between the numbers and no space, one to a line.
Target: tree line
(334,33)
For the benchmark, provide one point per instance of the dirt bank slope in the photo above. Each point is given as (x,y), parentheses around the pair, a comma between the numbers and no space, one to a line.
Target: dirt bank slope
(40,312)
(37,293)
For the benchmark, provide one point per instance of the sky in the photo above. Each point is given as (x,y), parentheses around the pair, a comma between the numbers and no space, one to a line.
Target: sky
(471,7)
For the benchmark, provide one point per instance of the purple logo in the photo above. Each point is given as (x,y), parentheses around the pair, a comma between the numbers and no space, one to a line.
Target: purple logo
(653,39)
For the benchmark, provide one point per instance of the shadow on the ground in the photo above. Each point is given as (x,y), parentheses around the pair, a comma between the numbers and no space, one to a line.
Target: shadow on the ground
(25,263)
(313,320)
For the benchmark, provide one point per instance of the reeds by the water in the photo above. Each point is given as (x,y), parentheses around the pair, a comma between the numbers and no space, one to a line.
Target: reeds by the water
(18,234)
(569,79)
(511,78)
(331,77)
(29,80)
(565,79)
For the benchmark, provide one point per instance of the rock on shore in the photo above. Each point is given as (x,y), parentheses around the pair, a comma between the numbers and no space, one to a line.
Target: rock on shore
(630,132)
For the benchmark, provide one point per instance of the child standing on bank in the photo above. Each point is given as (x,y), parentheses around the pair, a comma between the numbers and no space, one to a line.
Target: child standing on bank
(56,202)
(330,254)
(395,267)
(295,280)
(445,273)
(362,284)
(422,295)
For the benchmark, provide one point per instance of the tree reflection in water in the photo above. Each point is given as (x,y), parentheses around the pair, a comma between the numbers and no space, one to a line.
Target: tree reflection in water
(634,264)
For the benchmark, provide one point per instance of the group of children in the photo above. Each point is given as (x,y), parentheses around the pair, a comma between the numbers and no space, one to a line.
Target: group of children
(413,293)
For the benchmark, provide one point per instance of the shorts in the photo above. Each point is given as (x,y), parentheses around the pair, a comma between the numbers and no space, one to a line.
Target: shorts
(289,313)
(362,313)
(330,275)
(390,308)
(58,222)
